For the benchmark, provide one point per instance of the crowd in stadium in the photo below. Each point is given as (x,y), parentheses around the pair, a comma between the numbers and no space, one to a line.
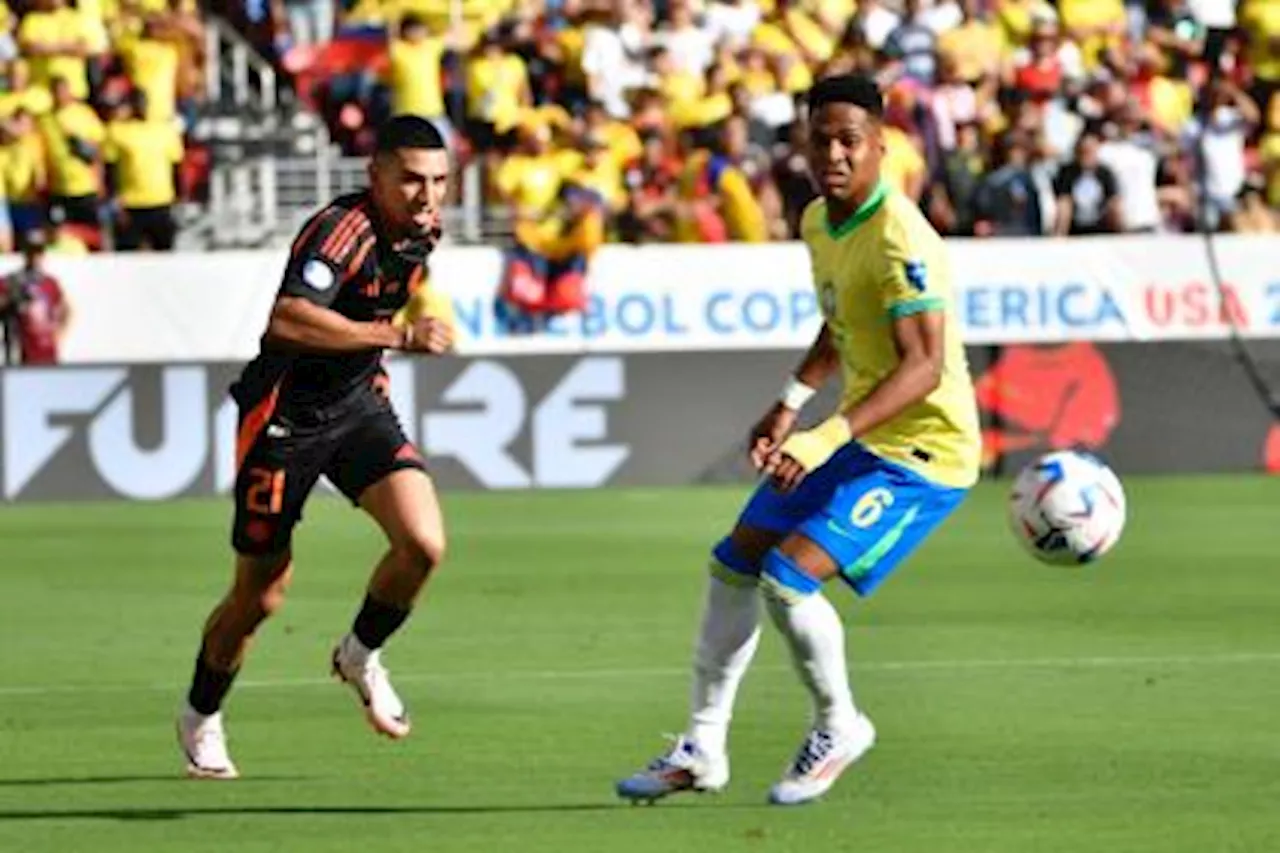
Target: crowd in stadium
(1006,117)
(97,98)
(676,119)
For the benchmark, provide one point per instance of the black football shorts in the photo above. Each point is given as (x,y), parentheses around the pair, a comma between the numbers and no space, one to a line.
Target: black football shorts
(281,457)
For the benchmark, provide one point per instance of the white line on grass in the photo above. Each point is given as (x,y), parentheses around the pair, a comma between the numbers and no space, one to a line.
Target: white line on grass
(962,664)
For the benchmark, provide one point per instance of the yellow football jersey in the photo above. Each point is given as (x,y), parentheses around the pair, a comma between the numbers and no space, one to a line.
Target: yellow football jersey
(884,263)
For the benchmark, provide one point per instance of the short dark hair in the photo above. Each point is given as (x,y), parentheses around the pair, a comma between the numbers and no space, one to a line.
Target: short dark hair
(856,89)
(406,131)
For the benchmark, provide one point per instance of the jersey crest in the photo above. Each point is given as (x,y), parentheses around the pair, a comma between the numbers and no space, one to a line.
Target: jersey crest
(827,298)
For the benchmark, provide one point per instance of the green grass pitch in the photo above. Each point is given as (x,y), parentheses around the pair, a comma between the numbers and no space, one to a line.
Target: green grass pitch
(1128,707)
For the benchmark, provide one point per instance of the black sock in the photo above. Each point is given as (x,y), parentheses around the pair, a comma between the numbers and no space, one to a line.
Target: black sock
(209,686)
(377,621)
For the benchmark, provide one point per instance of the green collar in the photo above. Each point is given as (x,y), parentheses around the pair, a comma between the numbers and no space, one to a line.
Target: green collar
(864,212)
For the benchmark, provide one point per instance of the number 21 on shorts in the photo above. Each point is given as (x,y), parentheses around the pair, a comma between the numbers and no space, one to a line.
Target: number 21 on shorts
(265,495)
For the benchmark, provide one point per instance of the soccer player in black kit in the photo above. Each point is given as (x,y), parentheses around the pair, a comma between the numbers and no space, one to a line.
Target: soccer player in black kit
(314,403)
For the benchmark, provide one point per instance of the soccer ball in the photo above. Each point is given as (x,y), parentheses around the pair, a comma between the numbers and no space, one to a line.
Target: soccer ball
(1067,508)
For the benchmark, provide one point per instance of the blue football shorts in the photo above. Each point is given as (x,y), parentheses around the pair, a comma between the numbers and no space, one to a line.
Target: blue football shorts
(866,512)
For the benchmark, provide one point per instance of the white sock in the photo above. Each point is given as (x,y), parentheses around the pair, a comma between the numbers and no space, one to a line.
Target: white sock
(815,635)
(727,641)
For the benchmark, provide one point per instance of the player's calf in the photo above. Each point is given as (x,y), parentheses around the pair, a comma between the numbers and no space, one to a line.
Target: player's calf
(404,569)
(257,591)
(404,505)
(815,636)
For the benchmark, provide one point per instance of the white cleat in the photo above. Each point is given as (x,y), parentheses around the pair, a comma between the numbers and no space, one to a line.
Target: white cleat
(204,744)
(363,670)
(824,755)
(685,768)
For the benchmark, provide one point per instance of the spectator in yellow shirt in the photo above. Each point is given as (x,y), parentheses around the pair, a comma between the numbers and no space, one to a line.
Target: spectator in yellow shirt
(1096,25)
(413,72)
(142,158)
(497,89)
(1260,20)
(683,89)
(74,136)
(24,94)
(746,197)
(55,40)
(546,272)
(1014,18)
(151,63)
(22,169)
(622,138)
(529,181)
(598,171)
(716,200)
(974,45)
(903,166)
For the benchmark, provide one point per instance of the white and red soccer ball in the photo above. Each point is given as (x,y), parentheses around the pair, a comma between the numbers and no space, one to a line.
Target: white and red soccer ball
(1067,508)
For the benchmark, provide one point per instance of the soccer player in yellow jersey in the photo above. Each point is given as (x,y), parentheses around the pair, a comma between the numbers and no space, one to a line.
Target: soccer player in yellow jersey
(906,449)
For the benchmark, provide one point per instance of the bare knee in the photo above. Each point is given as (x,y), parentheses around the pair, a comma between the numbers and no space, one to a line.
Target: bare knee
(423,549)
(261,585)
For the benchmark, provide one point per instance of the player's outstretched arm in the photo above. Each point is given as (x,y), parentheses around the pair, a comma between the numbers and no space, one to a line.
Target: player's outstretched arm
(300,323)
(813,372)
(920,339)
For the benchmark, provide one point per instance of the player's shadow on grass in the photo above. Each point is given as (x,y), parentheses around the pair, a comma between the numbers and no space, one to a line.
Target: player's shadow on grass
(54,781)
(144,814)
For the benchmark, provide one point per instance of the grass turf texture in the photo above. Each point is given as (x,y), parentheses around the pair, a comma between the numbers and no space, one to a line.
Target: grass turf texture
(1129,706)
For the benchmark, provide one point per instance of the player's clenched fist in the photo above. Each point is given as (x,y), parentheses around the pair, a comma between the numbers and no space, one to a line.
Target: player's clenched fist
(785,472)
(767,435)
(430,335)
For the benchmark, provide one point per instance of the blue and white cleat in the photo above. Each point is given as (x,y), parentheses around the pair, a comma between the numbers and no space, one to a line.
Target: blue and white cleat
(685,768)
(823,756)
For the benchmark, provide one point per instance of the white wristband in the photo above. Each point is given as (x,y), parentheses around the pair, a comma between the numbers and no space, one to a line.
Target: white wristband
(795,394)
